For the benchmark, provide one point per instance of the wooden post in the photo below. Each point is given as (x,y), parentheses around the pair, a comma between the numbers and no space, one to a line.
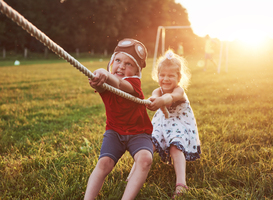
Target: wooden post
(25,52)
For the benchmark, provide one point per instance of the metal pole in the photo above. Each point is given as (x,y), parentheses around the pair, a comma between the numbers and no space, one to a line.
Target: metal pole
(220,57)
(156,45)
(227,47)
(163,41)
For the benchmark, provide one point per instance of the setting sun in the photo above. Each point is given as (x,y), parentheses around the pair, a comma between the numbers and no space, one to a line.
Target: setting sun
(249,21)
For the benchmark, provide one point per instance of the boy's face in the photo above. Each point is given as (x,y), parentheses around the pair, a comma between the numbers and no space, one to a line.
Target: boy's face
(124,66)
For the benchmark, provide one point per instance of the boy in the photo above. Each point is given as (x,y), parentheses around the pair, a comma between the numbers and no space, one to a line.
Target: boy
(128,126)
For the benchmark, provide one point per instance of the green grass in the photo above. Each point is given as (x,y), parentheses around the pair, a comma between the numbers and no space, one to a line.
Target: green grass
(39,58)
(52,124)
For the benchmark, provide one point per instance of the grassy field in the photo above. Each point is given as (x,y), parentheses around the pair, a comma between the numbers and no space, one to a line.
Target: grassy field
(52,124)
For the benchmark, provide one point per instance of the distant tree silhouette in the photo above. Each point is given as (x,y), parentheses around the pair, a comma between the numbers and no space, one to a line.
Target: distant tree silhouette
(94,24)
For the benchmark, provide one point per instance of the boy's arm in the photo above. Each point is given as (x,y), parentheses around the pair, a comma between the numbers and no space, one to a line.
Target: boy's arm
(100,77)
(103,76)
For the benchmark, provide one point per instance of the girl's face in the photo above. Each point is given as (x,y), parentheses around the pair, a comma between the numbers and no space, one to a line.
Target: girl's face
(168,78)
(124,66)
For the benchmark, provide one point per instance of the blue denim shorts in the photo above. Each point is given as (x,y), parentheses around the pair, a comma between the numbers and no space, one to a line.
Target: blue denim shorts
(114,145)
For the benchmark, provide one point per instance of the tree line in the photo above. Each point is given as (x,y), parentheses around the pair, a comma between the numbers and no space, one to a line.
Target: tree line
(97,25)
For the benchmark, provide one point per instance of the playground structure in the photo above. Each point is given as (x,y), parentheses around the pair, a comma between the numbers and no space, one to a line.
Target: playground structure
(161,32)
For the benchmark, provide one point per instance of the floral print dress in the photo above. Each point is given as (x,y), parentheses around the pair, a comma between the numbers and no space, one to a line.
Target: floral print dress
(180,129)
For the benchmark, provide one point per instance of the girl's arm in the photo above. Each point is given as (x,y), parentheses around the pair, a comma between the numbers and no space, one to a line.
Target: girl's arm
(176,95)
(167,99)
(155,94)
(103,76)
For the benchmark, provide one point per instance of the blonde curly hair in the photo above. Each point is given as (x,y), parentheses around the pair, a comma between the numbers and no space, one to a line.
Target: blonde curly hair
(172,59)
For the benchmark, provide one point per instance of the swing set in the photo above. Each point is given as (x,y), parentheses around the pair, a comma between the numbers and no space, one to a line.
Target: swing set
(161,33)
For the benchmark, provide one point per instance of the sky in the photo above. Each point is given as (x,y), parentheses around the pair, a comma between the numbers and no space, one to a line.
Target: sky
(249,20)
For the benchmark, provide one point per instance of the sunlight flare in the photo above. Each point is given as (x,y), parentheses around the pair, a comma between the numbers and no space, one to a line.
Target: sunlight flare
(231,20)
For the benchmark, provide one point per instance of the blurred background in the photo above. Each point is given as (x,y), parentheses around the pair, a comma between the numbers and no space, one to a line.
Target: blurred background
(92,27)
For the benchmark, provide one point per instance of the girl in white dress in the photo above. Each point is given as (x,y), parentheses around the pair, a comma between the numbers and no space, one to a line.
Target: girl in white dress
(175,138)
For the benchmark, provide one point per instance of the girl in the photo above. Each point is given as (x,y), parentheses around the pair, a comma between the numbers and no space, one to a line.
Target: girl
(175,137)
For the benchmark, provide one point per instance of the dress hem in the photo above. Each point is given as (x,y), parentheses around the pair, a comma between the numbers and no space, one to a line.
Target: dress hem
(165,154)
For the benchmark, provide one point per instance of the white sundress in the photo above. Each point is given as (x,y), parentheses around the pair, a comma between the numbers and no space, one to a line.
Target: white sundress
(180,129)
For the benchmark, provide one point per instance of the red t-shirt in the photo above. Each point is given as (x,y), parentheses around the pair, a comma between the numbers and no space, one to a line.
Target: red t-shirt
(125,116)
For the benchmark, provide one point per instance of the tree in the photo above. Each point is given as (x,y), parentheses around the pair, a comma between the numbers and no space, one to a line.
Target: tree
(94,24)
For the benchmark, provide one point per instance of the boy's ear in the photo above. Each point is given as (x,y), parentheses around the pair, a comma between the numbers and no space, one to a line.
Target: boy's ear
(137,73)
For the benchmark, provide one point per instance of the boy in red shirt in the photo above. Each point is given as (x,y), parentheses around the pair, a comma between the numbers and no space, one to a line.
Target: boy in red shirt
(128,126)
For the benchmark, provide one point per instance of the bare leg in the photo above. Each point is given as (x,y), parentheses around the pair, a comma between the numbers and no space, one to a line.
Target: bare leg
(96,179)
(179,163)
(131,172)
(143,161)
(134,167)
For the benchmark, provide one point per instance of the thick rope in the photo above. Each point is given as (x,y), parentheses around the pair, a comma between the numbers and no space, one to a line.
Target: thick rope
(35,32)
